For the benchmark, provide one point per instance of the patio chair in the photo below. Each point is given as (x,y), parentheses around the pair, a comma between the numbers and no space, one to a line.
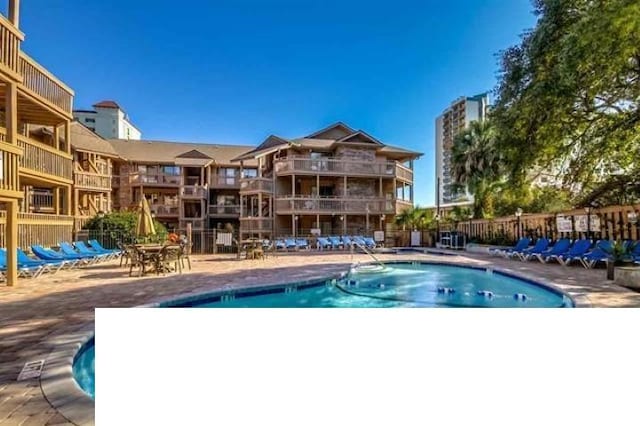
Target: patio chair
(575,253)
(68,250)
(539,247)
(559,248)
(185,254)
(125,254)
(336,242)
(290,244)
(169,259)
(28,271)
(302,243)
(140,260)
(598,254)
(323,243)
(521,245)
(280,245)
(83,249)
(49,254)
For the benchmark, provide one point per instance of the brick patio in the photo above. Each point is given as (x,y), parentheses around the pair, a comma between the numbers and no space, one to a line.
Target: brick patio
(34,313)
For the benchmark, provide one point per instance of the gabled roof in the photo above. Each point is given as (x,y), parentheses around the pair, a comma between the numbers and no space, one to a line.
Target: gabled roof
(194,153)
(83,139)
(361,137)
(271,144)
(164,152)
(335,131)
(107,104)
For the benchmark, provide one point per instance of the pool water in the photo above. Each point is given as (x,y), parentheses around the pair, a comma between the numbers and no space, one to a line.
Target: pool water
(84,368)
(401,285)
(408,285)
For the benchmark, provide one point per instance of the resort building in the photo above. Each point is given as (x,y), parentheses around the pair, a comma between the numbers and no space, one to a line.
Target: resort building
(452,121)
(31,162)
(336,181)
(108,120)
(185,183)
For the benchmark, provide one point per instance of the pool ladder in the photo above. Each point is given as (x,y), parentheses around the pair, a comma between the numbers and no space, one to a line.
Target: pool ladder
(367,252)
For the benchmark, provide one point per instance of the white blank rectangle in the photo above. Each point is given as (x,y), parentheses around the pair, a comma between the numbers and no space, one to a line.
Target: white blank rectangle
(365,366)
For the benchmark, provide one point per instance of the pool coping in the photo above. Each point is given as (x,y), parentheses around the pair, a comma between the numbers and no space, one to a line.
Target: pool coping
(65,395)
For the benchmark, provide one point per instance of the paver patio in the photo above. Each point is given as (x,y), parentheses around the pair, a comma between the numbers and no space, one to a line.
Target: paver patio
(34,313)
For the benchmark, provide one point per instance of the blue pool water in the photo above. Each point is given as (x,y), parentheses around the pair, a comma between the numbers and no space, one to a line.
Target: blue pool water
(84,368)
(408,285)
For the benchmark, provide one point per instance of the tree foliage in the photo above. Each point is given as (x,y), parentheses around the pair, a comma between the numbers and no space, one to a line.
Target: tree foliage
(568,94)
(417,217)
(121,223)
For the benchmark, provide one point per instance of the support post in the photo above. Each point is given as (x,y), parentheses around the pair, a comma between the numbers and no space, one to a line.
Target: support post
(12,242)
(14,12)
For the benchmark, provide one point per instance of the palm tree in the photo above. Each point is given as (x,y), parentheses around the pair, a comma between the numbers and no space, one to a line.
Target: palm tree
(476,164)
(415,218)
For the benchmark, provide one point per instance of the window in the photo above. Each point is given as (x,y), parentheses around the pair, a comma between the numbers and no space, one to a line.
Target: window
(171,170)
(89,120)
(250,173)
(227,175)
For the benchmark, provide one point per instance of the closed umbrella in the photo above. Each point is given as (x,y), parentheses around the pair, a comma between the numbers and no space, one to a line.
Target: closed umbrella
(145,226)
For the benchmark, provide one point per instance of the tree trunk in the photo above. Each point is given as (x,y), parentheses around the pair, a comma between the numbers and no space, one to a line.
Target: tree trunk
(610,271)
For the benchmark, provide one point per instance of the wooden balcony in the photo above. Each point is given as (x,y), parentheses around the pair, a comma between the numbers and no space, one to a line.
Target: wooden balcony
(9,163)
(319,205)
(92,181)
(256,224)
(402,205)
(34,228)
(165,210)
(341,167)
(155,179)
(40,83)
(194,191)
(250,185)
(10,39)
(44,161)
(222,182)
(224,210)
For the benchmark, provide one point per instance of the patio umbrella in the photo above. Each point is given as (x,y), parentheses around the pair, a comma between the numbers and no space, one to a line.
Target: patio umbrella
(145,226)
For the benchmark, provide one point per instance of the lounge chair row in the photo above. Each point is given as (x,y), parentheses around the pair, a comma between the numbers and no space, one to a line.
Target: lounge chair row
(325,243)
(47,260)
(564,251)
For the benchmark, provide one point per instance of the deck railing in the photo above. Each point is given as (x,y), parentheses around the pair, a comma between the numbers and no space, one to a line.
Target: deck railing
(165,209)
(403,172)
(224,181)
(224,210)
(255,224)
(10,39)
(41,201)
(44,84)
(194,191)
(9,161)
(45,159)
(34,228)
(311,205)
(157,179)
(256,184)
(92,181)
(333,166)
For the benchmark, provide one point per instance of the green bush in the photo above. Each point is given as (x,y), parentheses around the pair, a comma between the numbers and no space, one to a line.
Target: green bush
(122,224)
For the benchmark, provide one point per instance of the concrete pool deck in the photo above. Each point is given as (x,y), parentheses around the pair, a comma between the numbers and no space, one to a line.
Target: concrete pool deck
(37,317)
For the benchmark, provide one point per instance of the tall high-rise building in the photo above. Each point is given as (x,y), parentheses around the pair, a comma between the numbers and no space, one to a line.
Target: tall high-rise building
(452,121)
(108,120)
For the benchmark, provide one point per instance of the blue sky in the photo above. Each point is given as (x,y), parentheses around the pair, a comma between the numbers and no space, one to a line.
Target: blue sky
(236,71)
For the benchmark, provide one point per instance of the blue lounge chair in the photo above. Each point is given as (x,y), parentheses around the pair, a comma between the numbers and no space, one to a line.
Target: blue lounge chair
(48,254)
(559,248)
(598,254)
(521,245)
(83,249)
(290,244)
(302,243)
(97,247)
(280,245)
(370,242)
(336,242)
(69,250)
(575,253)
(347,241)
(540,246)
(32,271)
(49,265)
(323,243)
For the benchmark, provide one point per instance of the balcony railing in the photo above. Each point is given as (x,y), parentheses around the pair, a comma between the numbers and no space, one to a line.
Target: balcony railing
(223,181)
(155,179)
(45,159)
(43,84)
(313,205)
(34,228)
(224,210)
(333,166)
(255,224)
(41,201)
(10,39)
(161,210)
(194,191)
(92,181)
(403,172)
(256,185)
(9,160)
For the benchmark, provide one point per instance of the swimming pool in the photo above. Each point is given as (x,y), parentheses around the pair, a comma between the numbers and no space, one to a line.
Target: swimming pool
(397,285)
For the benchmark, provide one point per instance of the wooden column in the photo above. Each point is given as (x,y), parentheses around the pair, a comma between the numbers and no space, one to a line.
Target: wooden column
(56,200)
(12,242)
(69,206)
(56,137)
(14,12)
(67,136)
(11,112)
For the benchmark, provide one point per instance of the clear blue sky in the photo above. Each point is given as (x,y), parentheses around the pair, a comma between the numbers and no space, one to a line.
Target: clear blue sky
(236,71)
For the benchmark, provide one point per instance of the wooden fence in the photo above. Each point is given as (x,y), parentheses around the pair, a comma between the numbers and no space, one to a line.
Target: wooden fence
(613,222)
(33,228)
